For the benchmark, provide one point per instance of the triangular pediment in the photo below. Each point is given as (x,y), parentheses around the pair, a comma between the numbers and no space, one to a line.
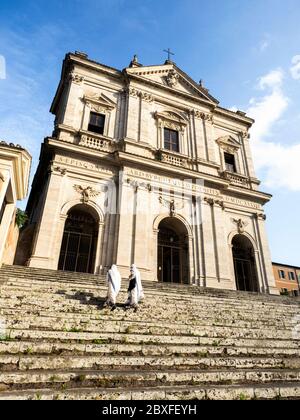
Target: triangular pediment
(101,99)
(228,141)
(170,76)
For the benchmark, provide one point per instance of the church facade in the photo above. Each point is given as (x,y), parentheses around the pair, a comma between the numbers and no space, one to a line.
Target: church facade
(144,166)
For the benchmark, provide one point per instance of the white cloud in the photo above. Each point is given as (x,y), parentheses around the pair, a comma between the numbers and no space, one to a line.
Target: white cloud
(295,69)
(278,161)
(272,80)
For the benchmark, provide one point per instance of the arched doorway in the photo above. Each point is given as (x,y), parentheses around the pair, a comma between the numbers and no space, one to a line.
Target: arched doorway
(79,242)
(173,252)
(244,264)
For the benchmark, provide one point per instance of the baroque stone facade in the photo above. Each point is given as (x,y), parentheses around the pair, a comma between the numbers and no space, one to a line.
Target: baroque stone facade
(189,213)
(14,176)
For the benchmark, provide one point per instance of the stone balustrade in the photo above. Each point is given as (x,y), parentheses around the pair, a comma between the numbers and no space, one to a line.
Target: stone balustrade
(236,179)
(94,141)
(174,159)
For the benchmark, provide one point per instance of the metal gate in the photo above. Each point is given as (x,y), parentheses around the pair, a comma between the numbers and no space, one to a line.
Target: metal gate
(79,243)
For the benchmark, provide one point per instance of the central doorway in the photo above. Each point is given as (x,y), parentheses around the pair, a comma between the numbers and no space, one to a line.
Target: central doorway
(244,264)
(173,266)
(79,241)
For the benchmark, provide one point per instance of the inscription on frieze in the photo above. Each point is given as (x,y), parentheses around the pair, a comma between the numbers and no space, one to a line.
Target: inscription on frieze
(84,165)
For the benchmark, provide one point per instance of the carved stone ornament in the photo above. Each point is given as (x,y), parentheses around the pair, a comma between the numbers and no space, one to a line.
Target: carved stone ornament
(61,170)
(172,78)
(87,193)
(212,202)
(241,225)
(147,97)
(139,184)
(2,178)
(76,78)
(133,92)
(172,205)
(261,216)
(203,116)
(245,134)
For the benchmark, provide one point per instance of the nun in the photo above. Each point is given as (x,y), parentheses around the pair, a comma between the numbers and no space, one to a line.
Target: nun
(113,280)
(135,289)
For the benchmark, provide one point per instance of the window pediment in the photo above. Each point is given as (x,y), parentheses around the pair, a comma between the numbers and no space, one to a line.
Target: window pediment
(99,103)
(171,120)
(229,144)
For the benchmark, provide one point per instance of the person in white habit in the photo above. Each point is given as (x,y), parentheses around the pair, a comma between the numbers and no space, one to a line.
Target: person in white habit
(113,280)
(135,289)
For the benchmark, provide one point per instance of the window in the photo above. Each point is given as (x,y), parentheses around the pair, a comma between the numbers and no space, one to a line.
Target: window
(284,292)
(3,209)
(230,162)
(97,122)
(292,276)
(281,274)
(171,140)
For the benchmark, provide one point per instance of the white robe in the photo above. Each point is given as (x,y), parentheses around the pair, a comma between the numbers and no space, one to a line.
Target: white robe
(113,280)
(137,294)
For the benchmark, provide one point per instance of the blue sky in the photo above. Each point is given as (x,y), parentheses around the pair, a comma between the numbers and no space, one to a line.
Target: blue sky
(246,51)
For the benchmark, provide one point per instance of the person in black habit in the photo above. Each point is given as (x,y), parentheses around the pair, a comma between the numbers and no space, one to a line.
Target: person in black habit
(135,289)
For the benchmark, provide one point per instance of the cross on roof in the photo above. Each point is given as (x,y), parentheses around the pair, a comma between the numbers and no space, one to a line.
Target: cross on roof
(169,52)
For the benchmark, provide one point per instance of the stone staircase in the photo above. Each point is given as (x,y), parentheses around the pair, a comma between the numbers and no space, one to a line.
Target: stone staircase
(183,343)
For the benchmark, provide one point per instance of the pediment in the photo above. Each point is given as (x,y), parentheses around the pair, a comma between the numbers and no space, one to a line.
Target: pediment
(100,100)
(171,115)
(228,142)
(170,76)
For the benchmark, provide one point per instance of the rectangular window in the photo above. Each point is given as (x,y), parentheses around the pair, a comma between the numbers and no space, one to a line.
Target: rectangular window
(292,276)
(2,210)
(230,162)
(281,274)
(97,122)
(171,140)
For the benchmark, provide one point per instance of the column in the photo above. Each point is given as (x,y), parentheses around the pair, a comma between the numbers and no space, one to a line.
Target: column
(98,263)
(74,107)
(125,232)
(191,260)
(208,130)
(208,242)
(269,281)
(142,229)
(223,256)
(133,115)
(145,117)
(45,248)
(155,253)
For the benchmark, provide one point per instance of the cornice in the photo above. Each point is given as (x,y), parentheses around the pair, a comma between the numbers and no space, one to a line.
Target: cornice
(173,92)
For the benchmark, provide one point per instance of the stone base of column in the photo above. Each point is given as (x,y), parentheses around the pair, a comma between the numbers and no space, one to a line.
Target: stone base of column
(41,262)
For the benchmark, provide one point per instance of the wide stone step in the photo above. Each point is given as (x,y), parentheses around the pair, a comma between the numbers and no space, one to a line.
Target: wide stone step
(154,328)
(188,293)
(94,307)
(184,342)
(105,348)
(100,337)
(216,319)
(271,391)
(12,362)
(109,379)
(75,298)
(87,301)
(22,272)
(94,317)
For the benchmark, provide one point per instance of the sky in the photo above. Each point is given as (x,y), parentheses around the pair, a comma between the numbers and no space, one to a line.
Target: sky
(247,52)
